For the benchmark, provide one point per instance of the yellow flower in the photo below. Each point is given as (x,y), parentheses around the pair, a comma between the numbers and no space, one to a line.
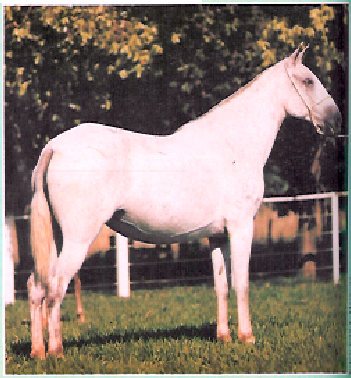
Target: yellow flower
(123,74)
(175,38)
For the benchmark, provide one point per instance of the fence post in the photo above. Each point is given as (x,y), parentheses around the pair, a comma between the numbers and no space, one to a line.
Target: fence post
(123,278)
(9,263)
(335,215)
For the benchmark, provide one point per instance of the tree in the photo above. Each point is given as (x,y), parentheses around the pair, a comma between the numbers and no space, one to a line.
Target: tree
(150,69)
(58,67)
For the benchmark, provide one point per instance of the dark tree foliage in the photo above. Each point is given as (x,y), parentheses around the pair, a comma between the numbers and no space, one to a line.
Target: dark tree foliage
(152,68)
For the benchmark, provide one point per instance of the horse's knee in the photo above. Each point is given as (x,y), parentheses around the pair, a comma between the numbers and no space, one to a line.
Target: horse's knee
(57,290)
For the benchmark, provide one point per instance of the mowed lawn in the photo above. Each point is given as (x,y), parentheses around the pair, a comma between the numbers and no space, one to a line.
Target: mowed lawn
(299,327)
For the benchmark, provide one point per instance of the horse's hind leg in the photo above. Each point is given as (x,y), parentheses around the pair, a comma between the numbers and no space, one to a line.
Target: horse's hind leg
(68,264)
(36,294)
(54,327)
(77,292)
(240,246)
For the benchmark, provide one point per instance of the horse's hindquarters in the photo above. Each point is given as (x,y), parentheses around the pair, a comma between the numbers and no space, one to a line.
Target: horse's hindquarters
(83,195)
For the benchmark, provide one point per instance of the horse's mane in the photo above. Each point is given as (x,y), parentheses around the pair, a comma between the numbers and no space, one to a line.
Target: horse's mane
(232,96)
(240,90)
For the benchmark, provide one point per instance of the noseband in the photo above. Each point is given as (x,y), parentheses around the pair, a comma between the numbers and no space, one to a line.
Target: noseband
(304,102)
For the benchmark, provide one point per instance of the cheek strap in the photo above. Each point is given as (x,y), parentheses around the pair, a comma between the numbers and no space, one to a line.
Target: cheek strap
(304,102)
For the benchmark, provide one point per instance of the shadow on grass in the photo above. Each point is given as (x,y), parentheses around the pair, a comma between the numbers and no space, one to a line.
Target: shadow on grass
(206,331)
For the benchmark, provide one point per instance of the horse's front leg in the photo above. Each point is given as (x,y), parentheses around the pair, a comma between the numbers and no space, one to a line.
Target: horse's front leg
(36,294)
(240,246)
(221,289)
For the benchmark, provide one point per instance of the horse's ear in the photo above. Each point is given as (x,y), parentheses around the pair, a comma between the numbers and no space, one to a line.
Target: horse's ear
(299,58)
(296,57)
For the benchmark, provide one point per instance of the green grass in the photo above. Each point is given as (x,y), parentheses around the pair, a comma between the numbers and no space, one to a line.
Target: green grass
(299,327)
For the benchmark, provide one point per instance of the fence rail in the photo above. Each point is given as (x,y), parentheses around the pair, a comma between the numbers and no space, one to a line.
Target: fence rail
(194,265)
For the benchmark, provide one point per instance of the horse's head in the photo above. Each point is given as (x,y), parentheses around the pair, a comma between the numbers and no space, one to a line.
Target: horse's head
(309,99)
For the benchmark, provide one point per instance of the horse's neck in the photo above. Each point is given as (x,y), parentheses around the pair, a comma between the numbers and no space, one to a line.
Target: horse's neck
(250,120)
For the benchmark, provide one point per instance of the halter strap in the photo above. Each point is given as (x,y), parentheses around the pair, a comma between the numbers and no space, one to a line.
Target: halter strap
(325,98)
(304,102)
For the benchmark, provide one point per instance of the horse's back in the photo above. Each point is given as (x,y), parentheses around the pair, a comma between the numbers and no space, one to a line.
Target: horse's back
(89,137)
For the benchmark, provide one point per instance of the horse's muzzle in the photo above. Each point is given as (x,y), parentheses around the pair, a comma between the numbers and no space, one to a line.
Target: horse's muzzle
(330,124)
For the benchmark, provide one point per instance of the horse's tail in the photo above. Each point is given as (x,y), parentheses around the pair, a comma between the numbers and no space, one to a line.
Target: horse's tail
(41,235)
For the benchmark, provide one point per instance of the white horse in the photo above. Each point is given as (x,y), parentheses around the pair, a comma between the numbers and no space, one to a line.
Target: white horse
(204,180)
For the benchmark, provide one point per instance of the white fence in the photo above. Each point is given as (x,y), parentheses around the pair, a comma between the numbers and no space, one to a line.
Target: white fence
(123,263)
(335,221)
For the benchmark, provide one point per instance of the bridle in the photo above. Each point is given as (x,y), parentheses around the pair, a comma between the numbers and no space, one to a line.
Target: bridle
(303,100)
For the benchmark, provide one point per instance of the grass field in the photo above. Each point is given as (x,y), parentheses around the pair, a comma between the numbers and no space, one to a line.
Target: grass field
(299,327)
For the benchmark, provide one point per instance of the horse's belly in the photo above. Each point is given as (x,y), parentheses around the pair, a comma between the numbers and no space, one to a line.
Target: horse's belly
(173,204)
(168,231)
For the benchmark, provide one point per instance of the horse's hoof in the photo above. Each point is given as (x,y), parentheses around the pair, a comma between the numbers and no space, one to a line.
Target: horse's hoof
(38,353)
(224,337)
(58,352)
(80,318)
(56,355)
(247,338)
(59,355)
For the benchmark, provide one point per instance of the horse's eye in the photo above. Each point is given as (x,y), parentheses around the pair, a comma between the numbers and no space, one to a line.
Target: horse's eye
(307,81)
